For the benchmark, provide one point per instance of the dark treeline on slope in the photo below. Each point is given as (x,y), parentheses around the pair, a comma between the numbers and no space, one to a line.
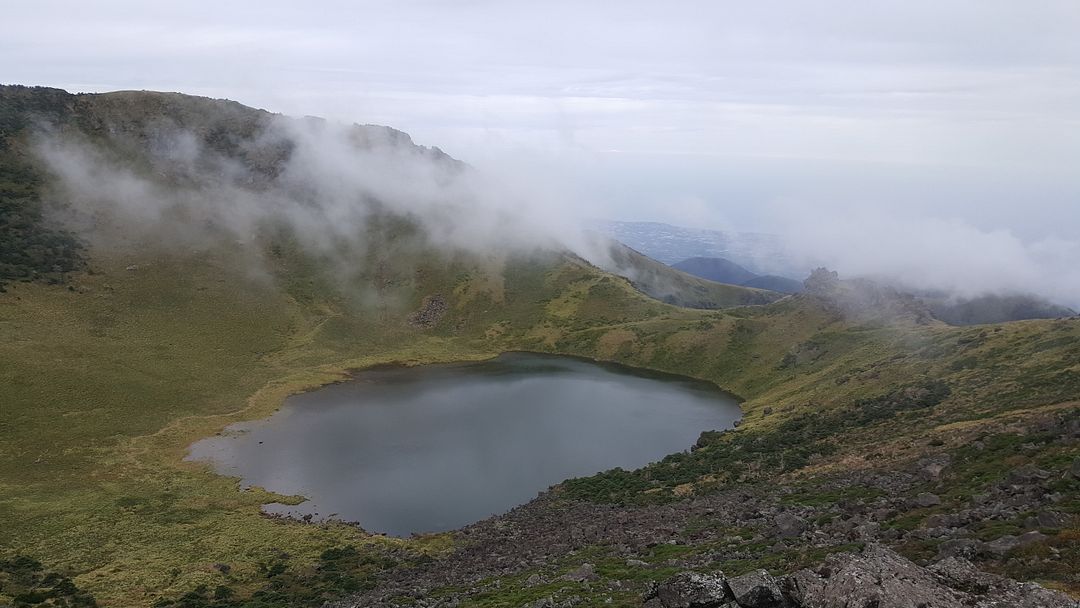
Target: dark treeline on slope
(169,163)
(31,249)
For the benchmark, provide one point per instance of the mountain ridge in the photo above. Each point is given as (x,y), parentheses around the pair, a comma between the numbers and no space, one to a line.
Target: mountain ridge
(726,271)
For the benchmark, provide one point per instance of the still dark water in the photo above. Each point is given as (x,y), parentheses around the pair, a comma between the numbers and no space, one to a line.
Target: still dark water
(434,448)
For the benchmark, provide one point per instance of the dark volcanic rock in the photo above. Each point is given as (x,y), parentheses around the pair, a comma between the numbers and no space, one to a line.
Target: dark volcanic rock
(584,572)
(931,467)
(1004,544)
(431,311)
(926,499)
(689,590)
(1046,519)
(880,578)
(789,525)
(757,590)
(1028,474)
(802,586)
(875,578)
(990,591)
(958,547)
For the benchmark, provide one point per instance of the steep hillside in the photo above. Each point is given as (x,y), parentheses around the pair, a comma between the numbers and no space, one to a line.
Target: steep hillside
(676,287)
(866,420)
(726,271)
(715,269)
(774,283)
(30,248)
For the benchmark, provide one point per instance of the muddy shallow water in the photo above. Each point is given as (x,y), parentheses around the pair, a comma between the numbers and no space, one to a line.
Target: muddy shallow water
(432,448)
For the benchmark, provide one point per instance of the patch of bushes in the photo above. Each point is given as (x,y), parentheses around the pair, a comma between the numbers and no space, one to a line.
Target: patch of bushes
(30,249)
(28,583)
(340,571)
(918,396)
(747,455)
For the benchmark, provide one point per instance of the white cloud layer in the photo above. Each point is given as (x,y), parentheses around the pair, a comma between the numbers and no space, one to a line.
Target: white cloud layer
(949,255)
(957,119)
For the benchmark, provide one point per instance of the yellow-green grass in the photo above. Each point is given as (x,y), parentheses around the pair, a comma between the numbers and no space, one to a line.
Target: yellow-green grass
(104,387)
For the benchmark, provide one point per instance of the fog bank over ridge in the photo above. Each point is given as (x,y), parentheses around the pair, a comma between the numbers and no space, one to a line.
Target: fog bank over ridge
(327,180)
(949,258)
(943,254)
(906,136)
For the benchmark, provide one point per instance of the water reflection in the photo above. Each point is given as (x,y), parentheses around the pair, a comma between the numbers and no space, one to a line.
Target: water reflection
(436,447)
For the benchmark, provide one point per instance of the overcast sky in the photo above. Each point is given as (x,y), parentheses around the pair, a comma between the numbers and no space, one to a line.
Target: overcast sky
(715,114)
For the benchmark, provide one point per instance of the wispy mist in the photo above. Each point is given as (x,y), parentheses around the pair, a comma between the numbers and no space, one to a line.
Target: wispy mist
(326,181)
(323,180)
(934,141)
(924,252)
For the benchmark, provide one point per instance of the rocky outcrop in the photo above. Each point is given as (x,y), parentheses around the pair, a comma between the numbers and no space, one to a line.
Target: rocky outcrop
(430,313)
(689,590)
(758,589)
(864,299)
(991,591)
(789,525)
(875,578)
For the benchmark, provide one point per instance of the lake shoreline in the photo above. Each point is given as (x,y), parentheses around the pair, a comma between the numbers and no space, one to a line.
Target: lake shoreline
(589,416)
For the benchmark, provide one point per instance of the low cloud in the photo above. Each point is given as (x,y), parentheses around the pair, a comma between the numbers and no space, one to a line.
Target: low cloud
(328,181)
(942,254)
(325,181)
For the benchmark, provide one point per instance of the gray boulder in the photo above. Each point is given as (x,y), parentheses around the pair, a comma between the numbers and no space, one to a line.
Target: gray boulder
(877,577)
(802,586)
(991,591)
(584,572)
(926,499)
(690,590)
(958,547)
(1046,519)
(756,590)
(789,525)
(1000,546)
(931,468)
(1028,474)
(880,578)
